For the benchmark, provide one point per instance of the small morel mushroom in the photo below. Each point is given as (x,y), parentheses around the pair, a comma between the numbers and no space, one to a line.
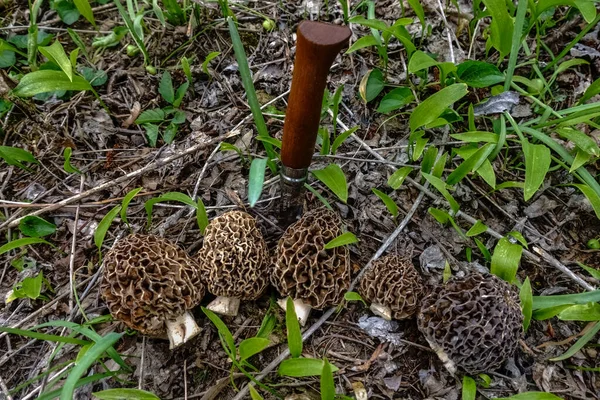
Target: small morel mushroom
(393,286)
(473,323)
(149,283)
(311,275)
(234,261)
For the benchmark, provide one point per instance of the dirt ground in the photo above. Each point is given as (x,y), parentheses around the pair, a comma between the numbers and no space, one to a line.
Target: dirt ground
(557,219)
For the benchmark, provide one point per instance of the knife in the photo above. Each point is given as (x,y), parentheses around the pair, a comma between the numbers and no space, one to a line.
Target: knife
(317,46)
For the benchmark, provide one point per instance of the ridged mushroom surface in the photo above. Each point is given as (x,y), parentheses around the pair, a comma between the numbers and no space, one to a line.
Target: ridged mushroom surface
(304,269)
(234,258)
(473,323)
(148,280)
(393,281)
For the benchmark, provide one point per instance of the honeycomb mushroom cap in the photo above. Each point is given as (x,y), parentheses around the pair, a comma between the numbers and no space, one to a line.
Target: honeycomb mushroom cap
(148,280)
(474,322)
(235,257)
(393,282)
(304,269)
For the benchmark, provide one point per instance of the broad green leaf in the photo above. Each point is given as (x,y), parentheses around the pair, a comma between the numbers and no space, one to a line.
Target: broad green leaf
(581,312)
(370,23)
(66,10)
(419,61)
(441,187)
(591,91)
(371,85)
(470,164)
(537,163)
(125,203)
(579,344)
(15,244)
(35,226)
(447,274)
(333,177)
(501,26)
(581,158)
(151,133)
(595,273)
(43,336)
(581,140)
(477,229)
(67,164)
(469,388)
(569,64)
(440,216)
(208,59)
(505,260)
(365,41)
(344,239)
(438,167)
(591,195)
(419,11)
(7,58)
(294,336)
(252,346)
(201,216)
(256,180)
(91,357)
(44,81)
(56,54)
(476,137)
(267,325)
(389,203)
(540,302)
(96,77)
(270,140)
(180,93)
(83,6)
(302,367)
(335,106)
(526,298)
(397,178)
(547,313)
(432,107)
(165,88)
(30,287)
(327,383)
(185,65)
(125,394)
(532,396)
(395,99)
(169,196)
(254,395)
(479,74)
(341,138)
(224,333)
(587,8)
(103,226)
(353,296)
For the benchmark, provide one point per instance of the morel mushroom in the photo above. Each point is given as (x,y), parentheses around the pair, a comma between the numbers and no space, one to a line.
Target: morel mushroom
(149,283)
(234,261)
(473,323)
(314,277)
(393,286)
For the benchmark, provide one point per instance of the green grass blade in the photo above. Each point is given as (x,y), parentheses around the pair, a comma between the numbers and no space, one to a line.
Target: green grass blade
(43,336)
(516,43)
(293,329)
(579,344)
(15,244)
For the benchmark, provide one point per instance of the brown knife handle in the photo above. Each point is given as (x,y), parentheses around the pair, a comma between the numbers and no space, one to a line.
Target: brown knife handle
(317,46)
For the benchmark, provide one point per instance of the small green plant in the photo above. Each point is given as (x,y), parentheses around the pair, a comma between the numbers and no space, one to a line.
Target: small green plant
(333,177)
(16,156)
(154,119)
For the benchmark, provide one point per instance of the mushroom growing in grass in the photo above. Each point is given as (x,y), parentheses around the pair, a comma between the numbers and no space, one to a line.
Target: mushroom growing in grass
(150,284)
(473,324)
(234,261)
(393,286)
(314,277)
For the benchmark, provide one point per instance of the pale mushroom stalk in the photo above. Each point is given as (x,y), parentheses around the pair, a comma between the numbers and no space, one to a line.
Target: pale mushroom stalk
(382,311)
(302,309)
(181,329)
(225,306)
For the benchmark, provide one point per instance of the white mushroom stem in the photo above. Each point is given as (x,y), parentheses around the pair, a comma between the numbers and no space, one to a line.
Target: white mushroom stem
(382,311)
(302,309)
(181,329)
(225,306)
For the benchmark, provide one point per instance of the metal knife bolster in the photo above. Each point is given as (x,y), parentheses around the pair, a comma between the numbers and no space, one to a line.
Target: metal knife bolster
(292,185)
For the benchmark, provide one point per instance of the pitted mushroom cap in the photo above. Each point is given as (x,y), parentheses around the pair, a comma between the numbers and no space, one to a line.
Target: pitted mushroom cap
(475,321)
(304,269)
(234,257)
(148,280)
(393,281)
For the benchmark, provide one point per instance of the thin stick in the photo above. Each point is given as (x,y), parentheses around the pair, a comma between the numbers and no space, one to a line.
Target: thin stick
(152,166)
(73,248)
(4,388)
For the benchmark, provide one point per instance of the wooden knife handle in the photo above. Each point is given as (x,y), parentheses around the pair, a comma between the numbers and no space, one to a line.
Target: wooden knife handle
(317,46)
